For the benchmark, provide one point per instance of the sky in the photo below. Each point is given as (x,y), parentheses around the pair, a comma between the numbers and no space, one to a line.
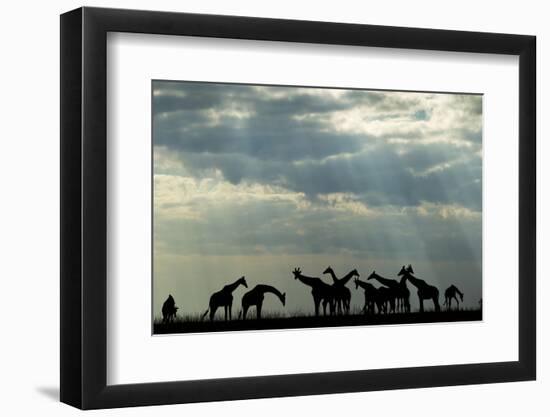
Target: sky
(257,180)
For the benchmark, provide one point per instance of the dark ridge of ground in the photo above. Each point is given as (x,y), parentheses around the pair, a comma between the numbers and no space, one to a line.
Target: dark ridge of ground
(196,325)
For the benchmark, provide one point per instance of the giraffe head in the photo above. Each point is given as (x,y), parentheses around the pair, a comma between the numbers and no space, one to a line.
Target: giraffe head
(372,276)
(356,281)
(243,281)
(297,272)
(355,273)
(410,269)
(403,271)
(329,270)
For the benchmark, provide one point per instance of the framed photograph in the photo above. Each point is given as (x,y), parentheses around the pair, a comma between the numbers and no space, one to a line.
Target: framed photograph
(257,207)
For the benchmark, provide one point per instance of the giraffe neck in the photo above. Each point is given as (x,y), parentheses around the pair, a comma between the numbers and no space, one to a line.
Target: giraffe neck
(385,281)
(334,277)
(269,289)
(418,283)
(232,287)
(347,277)
(365,285)
(309,281)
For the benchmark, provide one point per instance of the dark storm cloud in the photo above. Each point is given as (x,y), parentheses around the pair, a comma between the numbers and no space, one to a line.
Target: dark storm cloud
(380,176)
(176,96)
(269,129)
(384,177)
(264,135)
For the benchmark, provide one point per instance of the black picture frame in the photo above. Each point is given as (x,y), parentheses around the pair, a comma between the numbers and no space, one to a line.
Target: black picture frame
(84,207)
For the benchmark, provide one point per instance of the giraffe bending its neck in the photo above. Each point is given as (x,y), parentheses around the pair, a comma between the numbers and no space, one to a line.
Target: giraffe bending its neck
(255,297)
(424,290)
(342,293)
(320,291)
(450,295)
(223,298)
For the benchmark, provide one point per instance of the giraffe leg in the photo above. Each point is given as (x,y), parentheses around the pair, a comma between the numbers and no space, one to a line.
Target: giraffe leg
(245,310)
(259,311)
(212,312)
(421,302)
(316,302)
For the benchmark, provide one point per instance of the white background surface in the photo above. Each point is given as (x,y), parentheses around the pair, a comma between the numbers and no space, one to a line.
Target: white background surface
(133,60)
(29,218)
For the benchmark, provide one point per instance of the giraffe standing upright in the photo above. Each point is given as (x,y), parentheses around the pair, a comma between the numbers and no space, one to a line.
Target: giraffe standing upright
(371,296)
(342,294)
(450,294)
(395,291)
(404,296)
(255,297)
(320,290)
(424,290)
(223,298)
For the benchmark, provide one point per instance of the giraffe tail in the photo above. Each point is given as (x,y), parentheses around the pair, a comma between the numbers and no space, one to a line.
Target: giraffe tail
(205,313)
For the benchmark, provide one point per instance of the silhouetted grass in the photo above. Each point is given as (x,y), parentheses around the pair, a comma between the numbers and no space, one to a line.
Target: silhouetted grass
(299,319)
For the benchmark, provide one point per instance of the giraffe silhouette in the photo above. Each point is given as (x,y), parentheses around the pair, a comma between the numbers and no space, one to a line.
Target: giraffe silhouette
(371,296)
(223,298)
(404,296)
(169,309)
(255,297)
(342,293)
(424,290)
(394,290)
(450,294)
(320,290)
